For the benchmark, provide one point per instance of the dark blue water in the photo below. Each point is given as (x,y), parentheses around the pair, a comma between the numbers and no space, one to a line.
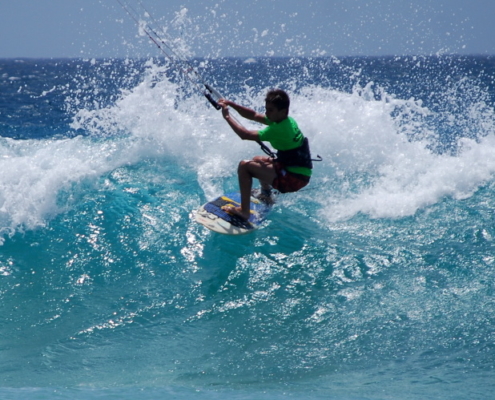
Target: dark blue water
(375,283)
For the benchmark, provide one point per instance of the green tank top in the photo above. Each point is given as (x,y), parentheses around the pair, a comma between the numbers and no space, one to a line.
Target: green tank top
(284,135)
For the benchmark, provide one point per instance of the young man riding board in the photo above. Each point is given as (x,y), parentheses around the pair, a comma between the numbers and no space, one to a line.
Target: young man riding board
(292,168)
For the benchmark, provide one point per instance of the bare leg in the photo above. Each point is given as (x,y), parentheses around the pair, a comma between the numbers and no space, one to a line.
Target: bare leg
(268,162)
(259,167)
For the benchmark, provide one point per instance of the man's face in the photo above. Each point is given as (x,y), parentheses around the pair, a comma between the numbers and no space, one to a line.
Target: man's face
(274,114)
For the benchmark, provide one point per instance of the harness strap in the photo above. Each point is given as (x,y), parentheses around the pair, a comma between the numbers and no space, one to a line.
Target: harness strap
(282,156)
(266,149)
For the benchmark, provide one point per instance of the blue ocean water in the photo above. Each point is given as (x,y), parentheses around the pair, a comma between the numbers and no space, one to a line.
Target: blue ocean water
(377,282)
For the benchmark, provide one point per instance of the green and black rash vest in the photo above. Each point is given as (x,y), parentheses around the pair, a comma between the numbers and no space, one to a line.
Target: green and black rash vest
(291,145)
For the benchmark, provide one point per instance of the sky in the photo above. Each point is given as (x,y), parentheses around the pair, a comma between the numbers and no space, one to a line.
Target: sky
(247,28)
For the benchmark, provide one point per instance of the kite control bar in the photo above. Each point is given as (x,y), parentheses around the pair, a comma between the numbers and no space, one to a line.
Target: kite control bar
(208,94)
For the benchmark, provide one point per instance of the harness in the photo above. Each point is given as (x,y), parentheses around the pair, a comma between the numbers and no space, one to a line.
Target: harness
(298,157)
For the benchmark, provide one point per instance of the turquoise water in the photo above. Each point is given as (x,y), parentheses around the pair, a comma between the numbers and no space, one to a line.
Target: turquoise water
(375,283)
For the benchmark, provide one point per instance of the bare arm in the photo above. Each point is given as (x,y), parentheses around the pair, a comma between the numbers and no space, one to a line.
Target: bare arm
(241,131)
(244,111)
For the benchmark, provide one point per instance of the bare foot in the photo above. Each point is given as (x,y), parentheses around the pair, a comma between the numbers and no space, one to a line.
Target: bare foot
(229,208)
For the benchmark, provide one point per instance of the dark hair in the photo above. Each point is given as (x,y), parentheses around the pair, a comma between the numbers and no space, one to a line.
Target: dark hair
(279,98)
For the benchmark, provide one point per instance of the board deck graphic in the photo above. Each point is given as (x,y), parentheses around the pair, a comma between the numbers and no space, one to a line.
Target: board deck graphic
(214,218)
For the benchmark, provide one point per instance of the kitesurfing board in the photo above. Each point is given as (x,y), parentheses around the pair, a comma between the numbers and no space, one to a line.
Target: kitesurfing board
(214,218)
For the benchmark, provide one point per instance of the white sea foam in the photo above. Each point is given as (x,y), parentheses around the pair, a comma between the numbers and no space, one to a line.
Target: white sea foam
(144,123)
(34,172)
(377,152)
(382,170)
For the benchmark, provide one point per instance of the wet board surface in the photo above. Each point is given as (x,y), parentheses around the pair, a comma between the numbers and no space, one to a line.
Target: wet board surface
(214,218)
